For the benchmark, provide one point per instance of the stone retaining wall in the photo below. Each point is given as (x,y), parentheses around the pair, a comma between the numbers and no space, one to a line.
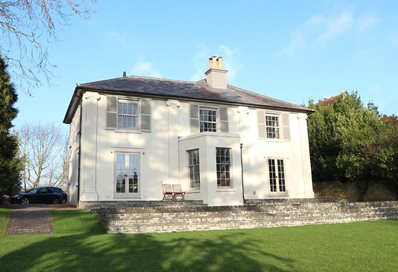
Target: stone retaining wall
(137,217)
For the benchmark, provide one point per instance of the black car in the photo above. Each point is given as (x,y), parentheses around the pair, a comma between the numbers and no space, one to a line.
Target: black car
(60,191)
(42,195)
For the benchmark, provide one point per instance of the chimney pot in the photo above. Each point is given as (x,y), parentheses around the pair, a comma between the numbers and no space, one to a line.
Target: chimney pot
(213,62)
(219,63)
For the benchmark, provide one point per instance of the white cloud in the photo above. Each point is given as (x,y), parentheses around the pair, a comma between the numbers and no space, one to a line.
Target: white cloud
(328,28)
(231,61)
(297,41)
(145,68)
(200,61)
(230,57)
(320,30)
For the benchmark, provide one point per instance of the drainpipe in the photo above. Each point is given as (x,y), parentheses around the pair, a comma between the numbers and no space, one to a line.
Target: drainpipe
(241,167)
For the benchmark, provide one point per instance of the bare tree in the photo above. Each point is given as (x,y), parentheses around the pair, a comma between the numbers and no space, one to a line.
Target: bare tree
(26,26)
(23,140)
(43,148)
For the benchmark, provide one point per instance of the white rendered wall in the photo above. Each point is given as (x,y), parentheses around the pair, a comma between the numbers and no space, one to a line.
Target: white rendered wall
(209,192)
(152,147)
(256,152)
(73,159)
(163,154)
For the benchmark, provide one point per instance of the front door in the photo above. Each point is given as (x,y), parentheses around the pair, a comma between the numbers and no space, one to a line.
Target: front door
(127,174)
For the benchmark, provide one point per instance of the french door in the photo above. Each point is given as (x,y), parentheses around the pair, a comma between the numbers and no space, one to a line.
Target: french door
(127,176)
(276,172)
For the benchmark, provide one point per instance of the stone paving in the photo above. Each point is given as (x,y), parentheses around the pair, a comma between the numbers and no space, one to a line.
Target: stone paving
(29,220)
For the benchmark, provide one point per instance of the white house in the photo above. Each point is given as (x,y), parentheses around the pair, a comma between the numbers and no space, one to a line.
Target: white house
(221,143)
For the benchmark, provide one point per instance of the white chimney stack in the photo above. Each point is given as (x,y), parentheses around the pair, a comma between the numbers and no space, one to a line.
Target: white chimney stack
(216,75)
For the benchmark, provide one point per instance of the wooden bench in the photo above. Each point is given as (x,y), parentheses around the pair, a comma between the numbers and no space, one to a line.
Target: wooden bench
(173,191)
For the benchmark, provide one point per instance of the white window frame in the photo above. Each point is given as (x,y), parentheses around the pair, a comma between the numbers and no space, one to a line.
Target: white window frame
(229,170)
(276,128)
(270,130)
(194,181)
(136,116)
(278,192)
(211,122)
(127,194)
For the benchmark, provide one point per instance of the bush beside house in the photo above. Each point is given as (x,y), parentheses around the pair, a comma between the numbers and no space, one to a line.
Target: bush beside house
(353,144)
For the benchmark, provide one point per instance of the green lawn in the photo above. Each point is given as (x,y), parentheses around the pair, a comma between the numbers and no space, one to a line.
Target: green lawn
(4,216)
(79,244)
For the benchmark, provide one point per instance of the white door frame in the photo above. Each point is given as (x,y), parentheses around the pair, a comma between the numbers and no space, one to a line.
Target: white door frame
(128,174)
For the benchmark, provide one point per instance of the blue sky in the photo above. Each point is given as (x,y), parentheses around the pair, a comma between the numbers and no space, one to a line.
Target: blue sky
(290,50)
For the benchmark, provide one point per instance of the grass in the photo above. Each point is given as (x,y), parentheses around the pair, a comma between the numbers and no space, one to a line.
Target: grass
(4,217)
(80,244)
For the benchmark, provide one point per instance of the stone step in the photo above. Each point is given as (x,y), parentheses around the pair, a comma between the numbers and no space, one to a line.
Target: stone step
(133,214)
(167,217)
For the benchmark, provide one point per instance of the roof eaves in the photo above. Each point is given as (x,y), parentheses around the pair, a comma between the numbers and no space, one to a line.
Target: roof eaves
(272,99)
(73,104)
(137,77)
(292,107)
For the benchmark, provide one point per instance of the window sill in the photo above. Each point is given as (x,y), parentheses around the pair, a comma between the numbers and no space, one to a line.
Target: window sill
(273,140)
(194,135)
(127,197)
(194,191)
(228,189)
(278,194)
(135,131)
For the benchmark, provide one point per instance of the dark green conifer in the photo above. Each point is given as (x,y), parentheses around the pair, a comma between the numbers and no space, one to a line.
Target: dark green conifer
(9,161)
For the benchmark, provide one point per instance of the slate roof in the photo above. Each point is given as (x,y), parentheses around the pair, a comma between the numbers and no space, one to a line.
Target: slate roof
(183,90)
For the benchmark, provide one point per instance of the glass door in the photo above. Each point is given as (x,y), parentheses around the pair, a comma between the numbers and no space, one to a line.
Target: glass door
(276,172)
(127,174)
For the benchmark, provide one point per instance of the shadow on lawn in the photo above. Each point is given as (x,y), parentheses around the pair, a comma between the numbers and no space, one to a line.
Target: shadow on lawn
(231,251)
